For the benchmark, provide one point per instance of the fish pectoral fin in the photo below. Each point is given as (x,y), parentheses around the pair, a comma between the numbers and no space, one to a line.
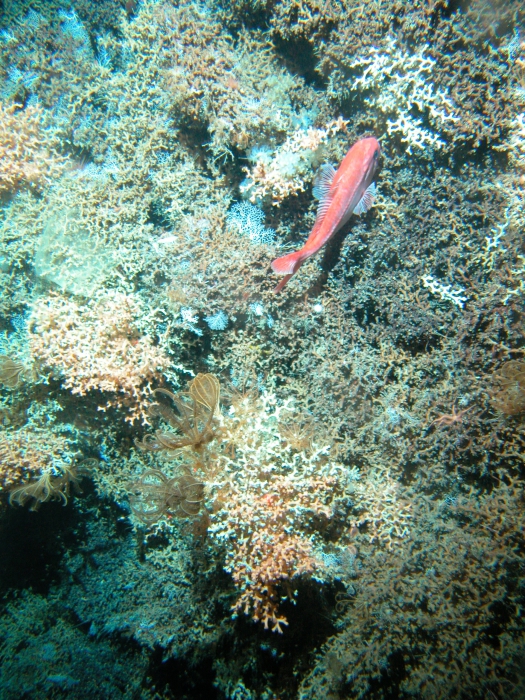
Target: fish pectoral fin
(323,181)
(367,200)
(323,190)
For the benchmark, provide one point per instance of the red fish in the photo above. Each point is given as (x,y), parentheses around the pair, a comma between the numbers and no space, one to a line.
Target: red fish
(349,190)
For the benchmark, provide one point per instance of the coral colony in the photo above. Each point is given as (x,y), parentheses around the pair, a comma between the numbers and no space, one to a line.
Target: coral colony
(209,490)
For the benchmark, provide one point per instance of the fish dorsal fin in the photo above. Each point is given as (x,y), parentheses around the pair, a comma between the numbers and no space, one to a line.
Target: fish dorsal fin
(323,181)
(321,191)
(367,200)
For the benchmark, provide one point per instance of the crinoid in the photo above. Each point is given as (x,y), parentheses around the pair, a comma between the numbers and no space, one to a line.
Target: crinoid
(298,431)
(10,371)
(193,420)
(50,487)
(155,495)
(241,392)
(508,387)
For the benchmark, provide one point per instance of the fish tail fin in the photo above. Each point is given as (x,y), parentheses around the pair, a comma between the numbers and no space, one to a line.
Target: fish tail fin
(287,265)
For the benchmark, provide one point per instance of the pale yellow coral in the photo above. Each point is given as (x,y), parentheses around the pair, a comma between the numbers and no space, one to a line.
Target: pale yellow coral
(25,453)
(385,511)
(291,166)
(97,346)
(276,498)
(28,155)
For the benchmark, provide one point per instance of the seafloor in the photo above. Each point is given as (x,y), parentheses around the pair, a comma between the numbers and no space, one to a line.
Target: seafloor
(326,498)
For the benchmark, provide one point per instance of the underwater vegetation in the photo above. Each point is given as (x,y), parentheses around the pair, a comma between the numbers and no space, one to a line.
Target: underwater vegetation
(312,494)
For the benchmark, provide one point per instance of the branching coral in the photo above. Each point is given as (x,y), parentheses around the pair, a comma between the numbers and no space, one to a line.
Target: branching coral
(270,500)
(281,174)
(47,57)
(29,155)
(401,85)
(469,67)
(386,513)
(98,347)
(433,599)
(267,548)
(278,500)
(215,82)
(25,454)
